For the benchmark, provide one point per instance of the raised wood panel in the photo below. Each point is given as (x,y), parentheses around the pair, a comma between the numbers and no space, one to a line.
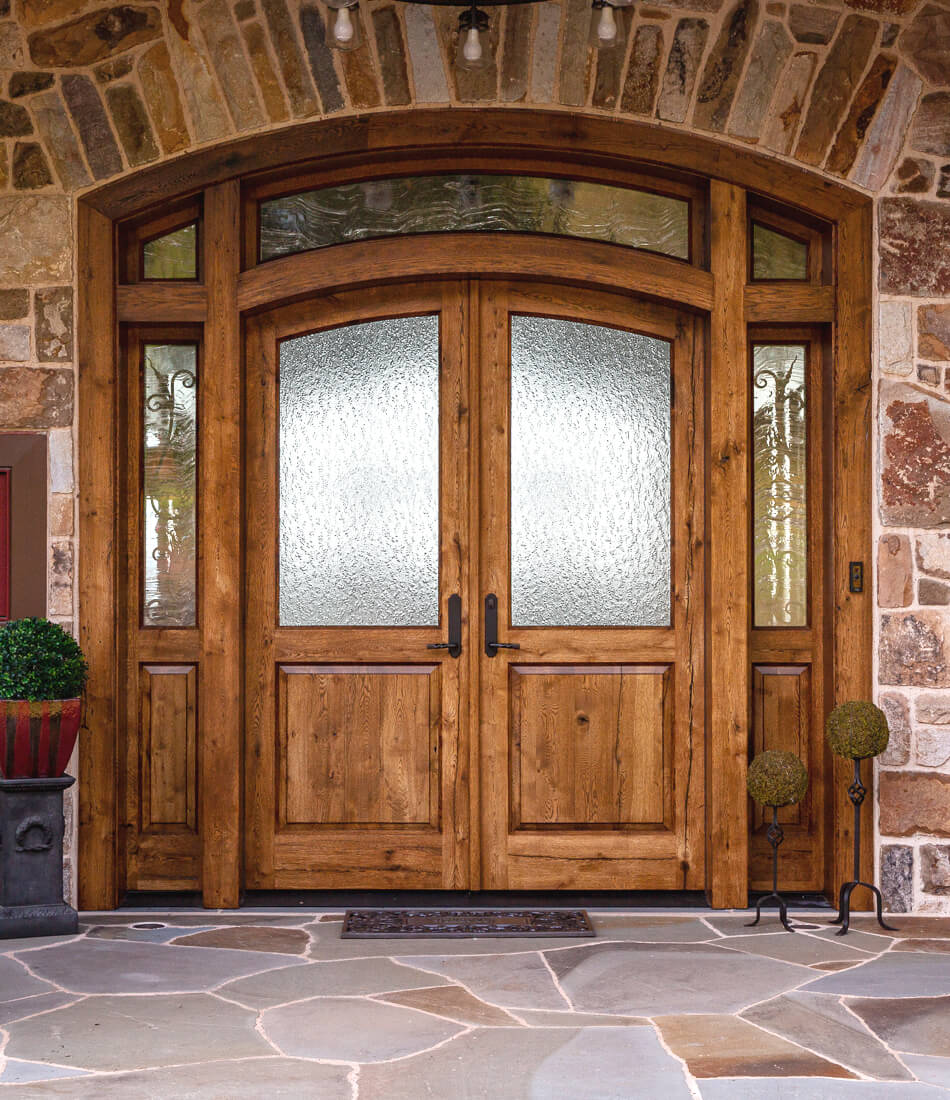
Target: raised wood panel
(590,745)
(168,753)
(781,719)
(359,744)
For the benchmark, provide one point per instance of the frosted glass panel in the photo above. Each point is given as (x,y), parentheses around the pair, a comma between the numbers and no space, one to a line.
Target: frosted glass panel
(174,256)
(168,482)
(442,204)
(775,256)
(590,475)
(359,475)
(780,485)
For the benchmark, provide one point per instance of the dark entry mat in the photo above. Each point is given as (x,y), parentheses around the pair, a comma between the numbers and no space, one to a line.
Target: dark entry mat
(367,924)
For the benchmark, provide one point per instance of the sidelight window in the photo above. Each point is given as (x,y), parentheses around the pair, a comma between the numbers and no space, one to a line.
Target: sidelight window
(169,483)
(780,484)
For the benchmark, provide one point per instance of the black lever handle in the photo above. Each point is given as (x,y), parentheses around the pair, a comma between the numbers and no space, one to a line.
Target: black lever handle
(454,644)
(492,645)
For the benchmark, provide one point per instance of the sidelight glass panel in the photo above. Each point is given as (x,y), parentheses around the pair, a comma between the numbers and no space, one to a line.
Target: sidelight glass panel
(174,256)
(780,482)
(359,475)
(444,204)
(170,406)
(776,256)
(590,475)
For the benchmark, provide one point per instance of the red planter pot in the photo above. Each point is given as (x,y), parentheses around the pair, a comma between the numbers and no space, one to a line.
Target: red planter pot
(37,739)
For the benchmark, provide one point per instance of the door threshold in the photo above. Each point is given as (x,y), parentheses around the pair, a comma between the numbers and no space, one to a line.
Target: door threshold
(455,899)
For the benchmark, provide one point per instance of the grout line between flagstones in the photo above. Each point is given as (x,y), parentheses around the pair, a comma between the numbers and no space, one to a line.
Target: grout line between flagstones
(896,1054)
(691,1083)
(556,980)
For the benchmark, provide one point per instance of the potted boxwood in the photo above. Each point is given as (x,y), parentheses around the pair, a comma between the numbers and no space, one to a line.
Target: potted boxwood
(42,676)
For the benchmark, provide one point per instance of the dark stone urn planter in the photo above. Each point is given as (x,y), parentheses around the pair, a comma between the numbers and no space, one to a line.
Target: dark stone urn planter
(31,859)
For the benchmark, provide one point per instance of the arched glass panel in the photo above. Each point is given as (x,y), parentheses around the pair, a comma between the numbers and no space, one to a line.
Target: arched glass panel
(482,203)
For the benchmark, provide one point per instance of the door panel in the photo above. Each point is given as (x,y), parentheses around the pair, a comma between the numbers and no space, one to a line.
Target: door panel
(590,746)
(169,747)
(358,453)
(591,737)
(359,745)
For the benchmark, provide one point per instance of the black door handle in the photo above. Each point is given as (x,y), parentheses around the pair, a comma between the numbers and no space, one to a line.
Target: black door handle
(492,645)
(454,644)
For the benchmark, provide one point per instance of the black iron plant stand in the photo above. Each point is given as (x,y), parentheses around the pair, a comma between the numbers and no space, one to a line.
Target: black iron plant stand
(856,793)
(775,835)
(776,779)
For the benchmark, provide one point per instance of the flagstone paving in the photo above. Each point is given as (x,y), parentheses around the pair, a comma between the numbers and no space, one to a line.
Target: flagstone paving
(203,1004)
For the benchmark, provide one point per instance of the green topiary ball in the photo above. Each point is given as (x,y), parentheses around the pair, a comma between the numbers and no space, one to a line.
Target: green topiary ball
(777,778)
(39,661)
(857,730)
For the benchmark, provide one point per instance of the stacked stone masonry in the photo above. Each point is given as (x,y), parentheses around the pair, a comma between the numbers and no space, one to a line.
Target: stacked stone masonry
(858,90)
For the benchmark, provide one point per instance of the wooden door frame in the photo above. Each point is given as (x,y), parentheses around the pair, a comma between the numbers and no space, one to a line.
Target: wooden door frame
(499,136)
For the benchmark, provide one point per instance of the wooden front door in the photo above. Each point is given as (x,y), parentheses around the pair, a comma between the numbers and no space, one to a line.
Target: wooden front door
(456,465)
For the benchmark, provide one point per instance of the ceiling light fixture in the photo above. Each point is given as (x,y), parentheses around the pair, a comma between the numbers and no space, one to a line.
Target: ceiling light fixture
(475,50)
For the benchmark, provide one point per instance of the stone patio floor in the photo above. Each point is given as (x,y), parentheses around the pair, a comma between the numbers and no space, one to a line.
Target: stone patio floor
(268,1003)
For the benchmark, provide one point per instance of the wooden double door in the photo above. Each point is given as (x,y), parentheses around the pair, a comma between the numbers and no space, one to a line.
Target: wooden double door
(433,469)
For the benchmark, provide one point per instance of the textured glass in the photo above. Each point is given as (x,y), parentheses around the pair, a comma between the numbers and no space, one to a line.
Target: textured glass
(359,475)
(590,475)
(775,256)
(780,485)
(169,471)
(174,256)
(445,204)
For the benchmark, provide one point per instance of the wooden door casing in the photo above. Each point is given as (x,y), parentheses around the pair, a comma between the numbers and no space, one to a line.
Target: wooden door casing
(492,140)
(356,771)
(632,697)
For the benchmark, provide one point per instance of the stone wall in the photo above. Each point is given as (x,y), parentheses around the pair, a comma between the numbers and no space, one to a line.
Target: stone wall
(858,90)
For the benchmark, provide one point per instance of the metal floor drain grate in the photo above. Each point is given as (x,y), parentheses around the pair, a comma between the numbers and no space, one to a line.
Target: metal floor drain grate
(459,923)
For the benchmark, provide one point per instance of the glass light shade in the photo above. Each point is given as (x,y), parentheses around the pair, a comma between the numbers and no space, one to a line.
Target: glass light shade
(474,47)
(606,26)
(346,33)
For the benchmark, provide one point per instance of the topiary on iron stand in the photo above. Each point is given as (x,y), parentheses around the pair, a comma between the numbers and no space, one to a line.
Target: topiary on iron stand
(857,730)
(776,779)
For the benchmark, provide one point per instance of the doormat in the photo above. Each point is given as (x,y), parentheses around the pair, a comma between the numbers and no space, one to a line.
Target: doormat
(367,924)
